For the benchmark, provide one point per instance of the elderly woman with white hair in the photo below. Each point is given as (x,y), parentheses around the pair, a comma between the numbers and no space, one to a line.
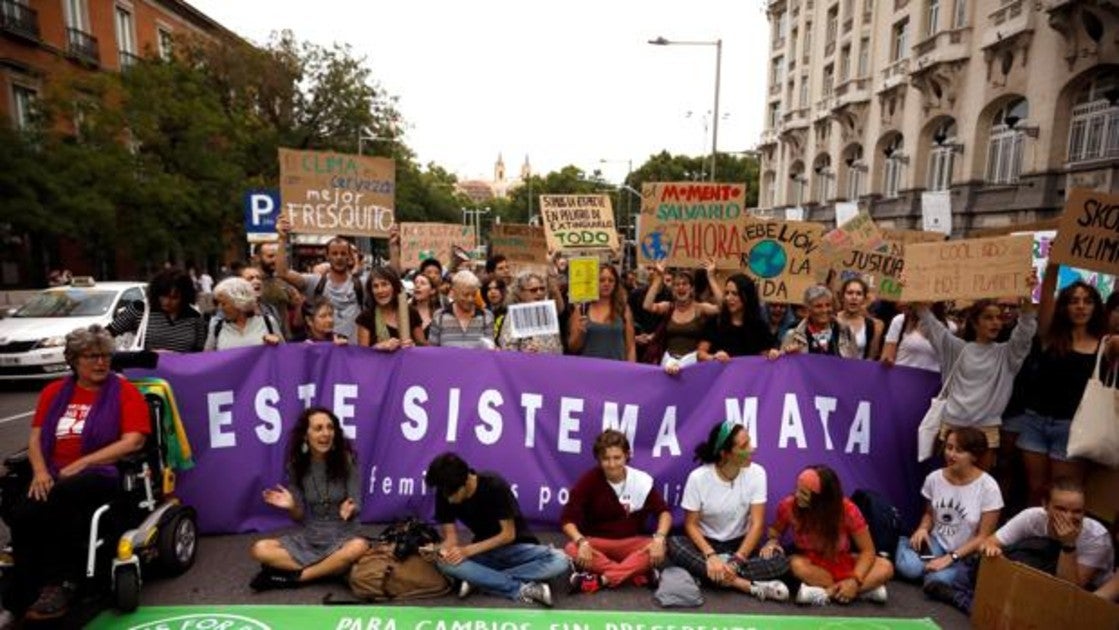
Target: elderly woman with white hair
(463,324)
(529,287)
(820,332)
(238,323)
(83,424)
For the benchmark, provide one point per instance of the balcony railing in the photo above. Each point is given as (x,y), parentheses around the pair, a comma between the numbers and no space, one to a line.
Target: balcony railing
(83,46)
(894,74)
(127,59)
(19,19)
(1013,17)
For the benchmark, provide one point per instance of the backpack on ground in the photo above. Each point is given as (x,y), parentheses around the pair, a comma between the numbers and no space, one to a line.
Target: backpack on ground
(379,576)
(883,519)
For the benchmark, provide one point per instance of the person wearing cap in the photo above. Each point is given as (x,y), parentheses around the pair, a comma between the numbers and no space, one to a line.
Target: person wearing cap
(823,524)
(724,518)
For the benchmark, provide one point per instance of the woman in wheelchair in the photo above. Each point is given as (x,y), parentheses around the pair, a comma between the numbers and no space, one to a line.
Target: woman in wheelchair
(325,494)
(83,424)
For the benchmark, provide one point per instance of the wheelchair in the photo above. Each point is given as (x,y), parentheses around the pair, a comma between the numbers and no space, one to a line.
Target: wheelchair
(153,530)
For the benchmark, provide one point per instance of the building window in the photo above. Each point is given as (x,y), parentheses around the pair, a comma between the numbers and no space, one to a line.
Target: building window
(166,43)
(803,101)
(770,186)
(932,17)
(893,168)
(900,41)
(775,71)
(807,42)
(1004,149)
(856,169)
(774,114)
(844,63)
(825,183)
(1094,129)
(832,27)
(941,156)
(960,19)
(792,46)
(797,183)
(23,107)
(828,80)
(76,14)
(126,36)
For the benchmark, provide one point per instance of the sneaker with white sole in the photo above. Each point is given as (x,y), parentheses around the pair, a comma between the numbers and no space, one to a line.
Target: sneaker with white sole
(464,589)
(812,595)
(774,590)
(876,595)
(537,592)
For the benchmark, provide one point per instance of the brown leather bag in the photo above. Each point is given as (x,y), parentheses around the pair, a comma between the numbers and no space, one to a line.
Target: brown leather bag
(379,576)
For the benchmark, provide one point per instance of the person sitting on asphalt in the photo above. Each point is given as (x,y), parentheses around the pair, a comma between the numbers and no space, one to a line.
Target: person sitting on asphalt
(239,324)
(173,325)
(962,511)
(824,523)
(724,518)
(1068,544)
(504,558)
(606,517)
(324,495)
(84,423)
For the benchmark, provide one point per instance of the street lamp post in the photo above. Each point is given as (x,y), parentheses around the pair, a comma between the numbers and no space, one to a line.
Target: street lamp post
(365,134)
(718,44)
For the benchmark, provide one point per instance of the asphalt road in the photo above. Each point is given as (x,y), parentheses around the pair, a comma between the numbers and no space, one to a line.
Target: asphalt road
(223,568)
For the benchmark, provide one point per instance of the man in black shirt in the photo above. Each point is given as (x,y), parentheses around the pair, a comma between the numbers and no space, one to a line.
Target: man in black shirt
(504,557)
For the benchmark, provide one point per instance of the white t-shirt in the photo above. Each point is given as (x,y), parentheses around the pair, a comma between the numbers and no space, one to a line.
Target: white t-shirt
(724,507)
(1093,546)
(914,349)
(205,283)
(957,509)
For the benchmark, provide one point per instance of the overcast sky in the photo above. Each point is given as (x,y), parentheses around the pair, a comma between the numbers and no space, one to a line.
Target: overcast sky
(459,69)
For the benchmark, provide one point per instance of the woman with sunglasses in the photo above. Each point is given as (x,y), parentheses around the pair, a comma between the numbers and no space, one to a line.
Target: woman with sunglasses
(528,287)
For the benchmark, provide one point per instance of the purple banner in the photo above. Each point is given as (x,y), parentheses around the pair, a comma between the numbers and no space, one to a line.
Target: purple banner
(533,419)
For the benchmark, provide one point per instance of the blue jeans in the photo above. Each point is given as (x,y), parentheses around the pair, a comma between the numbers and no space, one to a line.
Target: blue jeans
(909,565)
(1044,435)
(504,570)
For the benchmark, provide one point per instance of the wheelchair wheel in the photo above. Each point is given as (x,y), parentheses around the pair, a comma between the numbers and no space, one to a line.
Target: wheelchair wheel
(126,595)
(178,541)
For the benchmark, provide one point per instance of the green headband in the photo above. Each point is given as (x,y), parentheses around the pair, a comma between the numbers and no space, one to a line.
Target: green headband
(725,430)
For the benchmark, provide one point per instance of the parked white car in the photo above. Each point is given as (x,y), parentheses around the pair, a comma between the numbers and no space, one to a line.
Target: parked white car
(32,338)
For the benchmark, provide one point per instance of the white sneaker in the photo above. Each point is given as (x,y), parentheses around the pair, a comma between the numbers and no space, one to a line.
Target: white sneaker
(464,589)
(538,592)
(771,589)
(876,595)
(812,595)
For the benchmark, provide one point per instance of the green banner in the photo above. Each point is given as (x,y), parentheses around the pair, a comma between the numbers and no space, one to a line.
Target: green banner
(371,617)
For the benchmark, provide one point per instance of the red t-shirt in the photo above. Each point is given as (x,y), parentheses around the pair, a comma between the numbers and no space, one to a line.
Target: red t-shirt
(68,436)
(853,523)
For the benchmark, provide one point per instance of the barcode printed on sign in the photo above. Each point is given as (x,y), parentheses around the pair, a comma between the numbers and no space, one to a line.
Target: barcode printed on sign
(532,319)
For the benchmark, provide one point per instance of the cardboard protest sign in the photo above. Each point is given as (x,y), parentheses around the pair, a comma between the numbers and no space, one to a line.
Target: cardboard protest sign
(1012,595)
(968,269)
(858,232)
(1042,245)
(685,223)
(420,241)
(335,193)
(582,279)
(1089,232)
(898,239)
(879,268)
(524,246)
(579,222)
(783,257)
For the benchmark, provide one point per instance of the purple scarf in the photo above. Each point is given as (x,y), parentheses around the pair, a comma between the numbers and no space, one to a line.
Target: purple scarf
(101,428)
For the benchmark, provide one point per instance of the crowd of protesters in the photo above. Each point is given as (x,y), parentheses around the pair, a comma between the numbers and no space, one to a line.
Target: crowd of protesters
(1016,373)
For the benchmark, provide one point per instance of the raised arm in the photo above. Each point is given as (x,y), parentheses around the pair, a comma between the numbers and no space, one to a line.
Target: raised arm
(283,226)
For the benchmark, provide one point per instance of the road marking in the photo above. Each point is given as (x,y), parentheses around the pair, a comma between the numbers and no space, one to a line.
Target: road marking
(17,416)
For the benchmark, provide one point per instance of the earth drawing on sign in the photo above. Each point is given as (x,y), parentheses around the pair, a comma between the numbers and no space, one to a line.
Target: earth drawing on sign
(767,259)
(656,246)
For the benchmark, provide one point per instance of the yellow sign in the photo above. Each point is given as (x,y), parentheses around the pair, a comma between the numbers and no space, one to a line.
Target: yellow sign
(582,279)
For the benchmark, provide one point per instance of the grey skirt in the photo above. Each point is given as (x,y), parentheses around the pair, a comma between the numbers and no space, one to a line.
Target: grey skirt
(317,540)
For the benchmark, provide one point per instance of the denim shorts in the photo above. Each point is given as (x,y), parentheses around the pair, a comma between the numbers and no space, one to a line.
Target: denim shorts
(1013,424)
(1045,435)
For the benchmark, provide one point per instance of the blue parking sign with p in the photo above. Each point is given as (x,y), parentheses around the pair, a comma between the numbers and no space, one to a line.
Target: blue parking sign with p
(262,209)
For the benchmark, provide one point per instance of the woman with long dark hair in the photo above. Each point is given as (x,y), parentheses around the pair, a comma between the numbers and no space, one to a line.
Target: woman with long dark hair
(824,523)
(738,330)
(1071,331)
(685,316)
(379,325)
(604,328)
(324,494)
(724,518)
(173,324)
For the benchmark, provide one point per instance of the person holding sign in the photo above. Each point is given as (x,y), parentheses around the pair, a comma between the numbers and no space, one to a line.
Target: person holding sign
(819,332)
(866,329)
(738,330)
(324,494)
(389,324)
(336,283)
(530,288)
(980,374)
(684,317)
(824,523)
(607,516)
(724,518)
(604,328)
(1071,331)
